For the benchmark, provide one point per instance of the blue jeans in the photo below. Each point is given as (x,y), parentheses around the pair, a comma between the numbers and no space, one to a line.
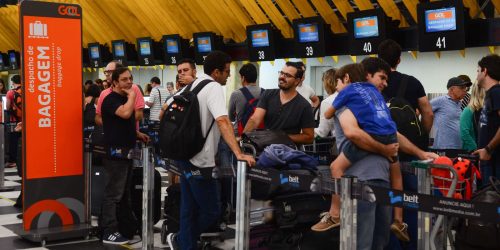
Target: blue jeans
(374,222)
(200,209)
(410,217)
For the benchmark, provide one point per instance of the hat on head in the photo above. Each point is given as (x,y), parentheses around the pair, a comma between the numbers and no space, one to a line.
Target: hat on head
(455,81)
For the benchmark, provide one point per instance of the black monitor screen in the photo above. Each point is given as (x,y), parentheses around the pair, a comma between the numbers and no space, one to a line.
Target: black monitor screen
(365,27)
(204,44)
(12,57)
(94,52)
(119,49)
(438,20)
(308,32)
(145,47)
(260,38)
(172,46)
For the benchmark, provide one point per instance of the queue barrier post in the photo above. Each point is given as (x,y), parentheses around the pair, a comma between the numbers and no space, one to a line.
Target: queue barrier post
(348,213)
(424,219)
(87,163)
(242,207)
(147,197)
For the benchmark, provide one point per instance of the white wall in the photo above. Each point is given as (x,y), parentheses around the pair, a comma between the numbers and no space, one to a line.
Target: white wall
(432,71)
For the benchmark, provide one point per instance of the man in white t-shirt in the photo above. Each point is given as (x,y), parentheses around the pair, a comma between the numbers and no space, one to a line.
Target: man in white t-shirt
(200,208)
(305,90)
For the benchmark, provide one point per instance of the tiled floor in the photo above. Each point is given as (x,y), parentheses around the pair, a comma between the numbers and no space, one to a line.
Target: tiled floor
(9,240)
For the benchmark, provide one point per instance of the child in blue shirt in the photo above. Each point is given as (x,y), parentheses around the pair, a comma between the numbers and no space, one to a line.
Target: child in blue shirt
(370,109)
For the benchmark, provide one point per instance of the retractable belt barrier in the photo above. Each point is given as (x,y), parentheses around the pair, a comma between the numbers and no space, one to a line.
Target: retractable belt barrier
(351,191)
(143,153)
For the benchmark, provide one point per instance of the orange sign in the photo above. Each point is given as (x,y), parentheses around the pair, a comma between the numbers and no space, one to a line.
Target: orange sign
(52,95)
(440,15)
(308,28)
(365,23)
(262,34)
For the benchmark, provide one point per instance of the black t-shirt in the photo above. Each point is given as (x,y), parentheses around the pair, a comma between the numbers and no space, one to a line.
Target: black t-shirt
(414,89)
(290,117)
(118,132)
(489,121)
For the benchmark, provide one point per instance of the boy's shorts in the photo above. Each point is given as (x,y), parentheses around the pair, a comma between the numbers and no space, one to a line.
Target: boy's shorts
(353,153)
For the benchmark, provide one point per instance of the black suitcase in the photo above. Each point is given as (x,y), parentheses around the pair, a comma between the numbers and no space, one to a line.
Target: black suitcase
(300,210)
(136,194)
(97,182)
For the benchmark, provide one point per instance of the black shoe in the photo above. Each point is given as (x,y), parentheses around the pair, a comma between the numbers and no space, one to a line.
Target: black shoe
(19,216)
(172,241)
(115,239)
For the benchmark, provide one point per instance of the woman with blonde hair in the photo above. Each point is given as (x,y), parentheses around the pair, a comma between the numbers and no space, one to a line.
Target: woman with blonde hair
(325,126)
(469,119)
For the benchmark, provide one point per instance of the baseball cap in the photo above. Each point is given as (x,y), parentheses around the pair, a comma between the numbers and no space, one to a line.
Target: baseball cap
(455,81)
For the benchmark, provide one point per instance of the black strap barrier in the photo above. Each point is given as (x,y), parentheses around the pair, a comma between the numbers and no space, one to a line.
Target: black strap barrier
(486,212)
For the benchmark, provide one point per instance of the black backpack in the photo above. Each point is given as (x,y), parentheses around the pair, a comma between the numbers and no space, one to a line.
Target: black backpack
(180,132)
(406,118)
(89,113)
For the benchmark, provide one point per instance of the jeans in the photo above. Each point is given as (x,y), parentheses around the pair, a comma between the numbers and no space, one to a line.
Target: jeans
(374,222)
(410,217)
(116,193)
(226,161)
(200,208)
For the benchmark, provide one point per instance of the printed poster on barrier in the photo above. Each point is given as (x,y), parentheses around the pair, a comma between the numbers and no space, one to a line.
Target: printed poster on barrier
(53,176)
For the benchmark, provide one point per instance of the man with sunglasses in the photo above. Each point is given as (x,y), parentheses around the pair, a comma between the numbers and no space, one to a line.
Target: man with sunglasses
(447,110)
(139,98)
(284,109)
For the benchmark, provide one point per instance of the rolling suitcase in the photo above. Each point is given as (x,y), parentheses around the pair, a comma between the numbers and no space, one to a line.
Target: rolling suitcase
(97,182)
(136,194)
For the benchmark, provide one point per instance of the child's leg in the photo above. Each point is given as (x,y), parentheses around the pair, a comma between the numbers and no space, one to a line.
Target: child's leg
(338,168)
(397,184)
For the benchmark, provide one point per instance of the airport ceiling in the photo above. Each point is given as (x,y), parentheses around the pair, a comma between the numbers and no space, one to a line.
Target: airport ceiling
(107,20)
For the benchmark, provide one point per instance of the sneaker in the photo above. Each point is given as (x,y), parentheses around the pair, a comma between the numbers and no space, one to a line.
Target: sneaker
(115,239)
(400,229)
(10,165)
(172,241)
(327,222)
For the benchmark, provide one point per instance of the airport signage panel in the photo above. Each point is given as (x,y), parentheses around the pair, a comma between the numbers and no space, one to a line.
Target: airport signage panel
(53,176)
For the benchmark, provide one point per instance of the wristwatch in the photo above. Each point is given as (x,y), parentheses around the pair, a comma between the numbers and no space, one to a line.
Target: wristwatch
(488,150)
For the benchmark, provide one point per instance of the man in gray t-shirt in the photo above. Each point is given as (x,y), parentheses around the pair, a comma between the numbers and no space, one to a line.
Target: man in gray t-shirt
(374,220)
(240,97)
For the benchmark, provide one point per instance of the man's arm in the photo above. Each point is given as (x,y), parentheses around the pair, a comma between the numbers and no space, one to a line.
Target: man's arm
(306,137)
(314,100)
(127,109)
(425,109)
(356,135)
(255,120)
(98,119)
(408,147)
(485,153)
(227,133)
(139,114)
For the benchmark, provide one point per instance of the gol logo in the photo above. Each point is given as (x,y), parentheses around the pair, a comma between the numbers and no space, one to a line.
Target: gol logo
(68,10)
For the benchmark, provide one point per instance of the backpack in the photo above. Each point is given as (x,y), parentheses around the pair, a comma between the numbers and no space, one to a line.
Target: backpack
(249,109)
(406,119)
(89,114)
(180,132)
(16,109)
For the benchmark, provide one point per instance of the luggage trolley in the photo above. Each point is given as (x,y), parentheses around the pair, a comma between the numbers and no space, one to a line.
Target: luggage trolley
(431,180)
(323,149)
(206,238)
